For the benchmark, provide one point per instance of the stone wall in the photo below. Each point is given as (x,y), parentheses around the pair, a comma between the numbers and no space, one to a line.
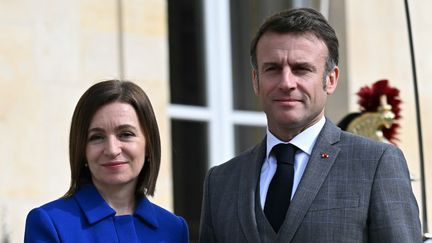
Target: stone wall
(51,51)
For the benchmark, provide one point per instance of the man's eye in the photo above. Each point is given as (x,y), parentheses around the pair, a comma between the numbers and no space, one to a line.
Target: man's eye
(302,70)
(272,68)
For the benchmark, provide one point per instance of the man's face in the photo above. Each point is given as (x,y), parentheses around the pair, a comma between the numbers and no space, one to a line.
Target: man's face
(291,81)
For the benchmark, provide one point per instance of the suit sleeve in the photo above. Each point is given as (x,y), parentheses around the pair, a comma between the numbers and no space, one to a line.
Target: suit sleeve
(206,227)
(39,227)
(393,210)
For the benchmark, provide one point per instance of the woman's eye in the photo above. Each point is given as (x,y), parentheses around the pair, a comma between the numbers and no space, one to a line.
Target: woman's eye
(126,135)
(95,137)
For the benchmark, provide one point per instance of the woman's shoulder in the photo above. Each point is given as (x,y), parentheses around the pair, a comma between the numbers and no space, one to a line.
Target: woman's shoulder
(166,222)
(150,209)
(54,204)
(55,209)
(43,222)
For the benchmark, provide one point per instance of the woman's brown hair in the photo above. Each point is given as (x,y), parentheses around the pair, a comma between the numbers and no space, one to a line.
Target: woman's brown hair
(93,99)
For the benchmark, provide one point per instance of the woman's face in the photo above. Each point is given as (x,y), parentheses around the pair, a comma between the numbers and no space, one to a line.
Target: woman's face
(115,148)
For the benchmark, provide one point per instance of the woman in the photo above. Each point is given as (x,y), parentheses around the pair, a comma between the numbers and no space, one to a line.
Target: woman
(114,157)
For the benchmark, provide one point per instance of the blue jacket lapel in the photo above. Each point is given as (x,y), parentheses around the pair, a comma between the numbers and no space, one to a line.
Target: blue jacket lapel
(96,209)
(92,204)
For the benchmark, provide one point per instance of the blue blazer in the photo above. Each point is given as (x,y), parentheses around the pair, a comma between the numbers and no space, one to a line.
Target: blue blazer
(86,217)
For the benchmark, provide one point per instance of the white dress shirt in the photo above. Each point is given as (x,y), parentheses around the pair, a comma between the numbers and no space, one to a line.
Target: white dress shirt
(304,141)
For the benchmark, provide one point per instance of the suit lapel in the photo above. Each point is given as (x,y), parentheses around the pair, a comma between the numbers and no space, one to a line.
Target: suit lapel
(249,176)
(314,176)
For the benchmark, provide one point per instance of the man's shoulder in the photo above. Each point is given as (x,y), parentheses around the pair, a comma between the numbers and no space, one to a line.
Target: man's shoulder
(355,138)
(361,143)
(245,158)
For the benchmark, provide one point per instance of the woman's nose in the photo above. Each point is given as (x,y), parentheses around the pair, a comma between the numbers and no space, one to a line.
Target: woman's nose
(112,146)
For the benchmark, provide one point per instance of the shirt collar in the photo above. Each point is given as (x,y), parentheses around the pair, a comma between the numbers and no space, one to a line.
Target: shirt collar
(96,209)
(305,140)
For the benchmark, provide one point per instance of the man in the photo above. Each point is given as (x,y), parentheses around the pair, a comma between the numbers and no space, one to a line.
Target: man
(341,187)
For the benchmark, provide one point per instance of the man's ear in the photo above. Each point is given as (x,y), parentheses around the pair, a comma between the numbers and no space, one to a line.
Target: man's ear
(255,81)
(331,80)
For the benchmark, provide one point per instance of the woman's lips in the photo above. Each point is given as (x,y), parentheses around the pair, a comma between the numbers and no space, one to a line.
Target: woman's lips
(114,164)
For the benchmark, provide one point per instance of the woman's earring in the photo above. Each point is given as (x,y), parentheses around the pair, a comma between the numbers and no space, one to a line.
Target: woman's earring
(85,165)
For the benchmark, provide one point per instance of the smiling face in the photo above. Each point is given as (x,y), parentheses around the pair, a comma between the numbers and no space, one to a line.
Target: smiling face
(115,148)
(291,81)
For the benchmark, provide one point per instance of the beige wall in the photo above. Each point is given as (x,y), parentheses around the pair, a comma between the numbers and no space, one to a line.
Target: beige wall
(50,52)
(378,48)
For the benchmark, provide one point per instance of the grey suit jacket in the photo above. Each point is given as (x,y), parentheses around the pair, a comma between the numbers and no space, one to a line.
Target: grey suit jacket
(360,193)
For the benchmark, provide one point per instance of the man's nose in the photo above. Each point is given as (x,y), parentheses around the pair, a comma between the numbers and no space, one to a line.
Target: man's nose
(288,80)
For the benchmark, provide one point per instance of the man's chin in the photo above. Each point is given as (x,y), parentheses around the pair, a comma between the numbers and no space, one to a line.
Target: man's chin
(290,118)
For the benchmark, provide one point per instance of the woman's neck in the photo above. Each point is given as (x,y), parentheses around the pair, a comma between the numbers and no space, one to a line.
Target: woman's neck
(120,197)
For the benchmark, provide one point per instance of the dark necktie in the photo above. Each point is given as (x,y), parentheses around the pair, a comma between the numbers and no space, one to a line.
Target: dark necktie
(280,188)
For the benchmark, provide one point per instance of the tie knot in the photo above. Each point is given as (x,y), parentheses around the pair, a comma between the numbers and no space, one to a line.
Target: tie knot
(284,153)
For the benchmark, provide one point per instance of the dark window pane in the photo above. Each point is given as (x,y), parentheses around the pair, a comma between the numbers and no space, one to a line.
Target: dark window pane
(246,16)
(189,162)
(247,136)
(187,84)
